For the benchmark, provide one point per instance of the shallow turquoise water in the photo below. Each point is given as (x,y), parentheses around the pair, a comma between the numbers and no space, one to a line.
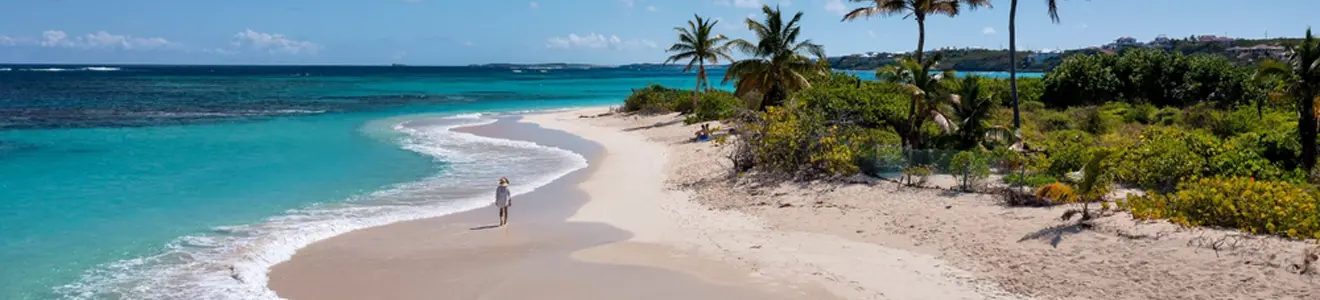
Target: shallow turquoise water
(131,185)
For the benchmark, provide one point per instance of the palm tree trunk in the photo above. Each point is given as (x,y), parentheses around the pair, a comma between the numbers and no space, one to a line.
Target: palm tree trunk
(921,37)
(912,139)
(1012,65)
(1307,130)
(701,75)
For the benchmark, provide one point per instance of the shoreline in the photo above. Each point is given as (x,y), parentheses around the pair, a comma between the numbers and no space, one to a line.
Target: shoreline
(630,223)
(460,247)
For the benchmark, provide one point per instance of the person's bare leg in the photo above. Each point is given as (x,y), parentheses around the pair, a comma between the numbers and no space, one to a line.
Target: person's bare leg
(504,215)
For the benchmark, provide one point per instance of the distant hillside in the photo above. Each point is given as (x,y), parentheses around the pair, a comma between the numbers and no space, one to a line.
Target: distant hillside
(997,60)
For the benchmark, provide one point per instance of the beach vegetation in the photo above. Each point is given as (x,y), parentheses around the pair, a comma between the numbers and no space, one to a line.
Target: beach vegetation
(1244,203)
(657,99)
(970,168)
(698,44)
(1198,131)
(715,106)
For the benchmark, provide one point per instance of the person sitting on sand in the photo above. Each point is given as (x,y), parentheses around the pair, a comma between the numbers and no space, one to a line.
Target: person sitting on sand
(502,200)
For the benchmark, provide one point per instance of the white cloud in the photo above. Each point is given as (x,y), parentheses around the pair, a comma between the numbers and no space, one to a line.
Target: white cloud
(98,40)
(652,8)
(629,3)
(836,6)
(533,5)
(746,3)
(785,3)
(52,38)
(274,43)
(1083,26)
(219,51)
(468,43)
(871,33)
(597,41)
(988,30)
(102,39)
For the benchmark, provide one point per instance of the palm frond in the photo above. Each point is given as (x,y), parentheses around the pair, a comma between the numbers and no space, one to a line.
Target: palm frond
(1053,10)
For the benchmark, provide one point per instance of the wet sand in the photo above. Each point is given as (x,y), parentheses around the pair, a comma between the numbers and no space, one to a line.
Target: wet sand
(540,255)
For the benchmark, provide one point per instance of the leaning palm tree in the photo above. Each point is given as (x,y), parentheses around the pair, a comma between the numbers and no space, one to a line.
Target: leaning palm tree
(1301,77)
(927,93)
(1012,53)
(698,44)
(779,63)
(915,9)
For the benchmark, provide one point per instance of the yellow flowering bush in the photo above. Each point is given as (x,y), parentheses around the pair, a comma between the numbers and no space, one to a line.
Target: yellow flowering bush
(1264,207)
(1057,193)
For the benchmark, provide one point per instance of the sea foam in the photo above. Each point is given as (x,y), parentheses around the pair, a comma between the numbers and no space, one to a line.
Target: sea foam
(231,262)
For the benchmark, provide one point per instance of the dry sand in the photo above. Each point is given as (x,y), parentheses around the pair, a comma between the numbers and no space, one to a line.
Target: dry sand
(462,256)
(849,233)
(658,217)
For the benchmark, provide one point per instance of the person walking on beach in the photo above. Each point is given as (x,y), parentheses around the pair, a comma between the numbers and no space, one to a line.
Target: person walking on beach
(502,200)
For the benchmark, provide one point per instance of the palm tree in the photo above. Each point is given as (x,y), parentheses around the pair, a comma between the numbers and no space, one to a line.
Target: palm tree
(699,44)
(779,62)
(1301,77)
(916,9)
(973,108)
(1012,53)
(926,91)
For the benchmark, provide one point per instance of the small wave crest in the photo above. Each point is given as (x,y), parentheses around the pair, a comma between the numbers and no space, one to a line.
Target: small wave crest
(231,262)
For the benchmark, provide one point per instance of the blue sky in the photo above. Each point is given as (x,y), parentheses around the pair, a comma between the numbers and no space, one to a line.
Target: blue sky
(459,32)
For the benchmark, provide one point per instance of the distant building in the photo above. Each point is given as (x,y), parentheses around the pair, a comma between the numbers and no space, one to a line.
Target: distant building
(1043,55)
(1122,42)
(1271,51)
(1162,42)
(1226,41)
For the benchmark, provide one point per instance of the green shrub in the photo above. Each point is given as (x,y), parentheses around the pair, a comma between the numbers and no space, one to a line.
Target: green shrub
(1032,180)
(795,141)
(1094,120)
(970,168)
(1081,80)
(872,106)
(657,99)
(1162,156)
(1264,207)
(1068,152)
(1141,113)
(1050,120)
(919,172)
(714,106)
(1030,106)
(1168,116)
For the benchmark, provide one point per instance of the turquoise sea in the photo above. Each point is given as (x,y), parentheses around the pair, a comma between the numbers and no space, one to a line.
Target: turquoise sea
(159,182)
(187,182)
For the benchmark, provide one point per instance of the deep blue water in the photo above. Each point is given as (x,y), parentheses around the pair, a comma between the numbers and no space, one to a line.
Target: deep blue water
(162,182)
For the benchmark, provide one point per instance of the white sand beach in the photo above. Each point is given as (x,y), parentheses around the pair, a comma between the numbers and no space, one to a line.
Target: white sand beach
(658,207)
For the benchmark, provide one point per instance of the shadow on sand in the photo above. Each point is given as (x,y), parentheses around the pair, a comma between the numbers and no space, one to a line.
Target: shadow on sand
(1055,233)
(485,227)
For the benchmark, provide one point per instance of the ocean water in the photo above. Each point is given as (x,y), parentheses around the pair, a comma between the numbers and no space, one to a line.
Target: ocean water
(162,182)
